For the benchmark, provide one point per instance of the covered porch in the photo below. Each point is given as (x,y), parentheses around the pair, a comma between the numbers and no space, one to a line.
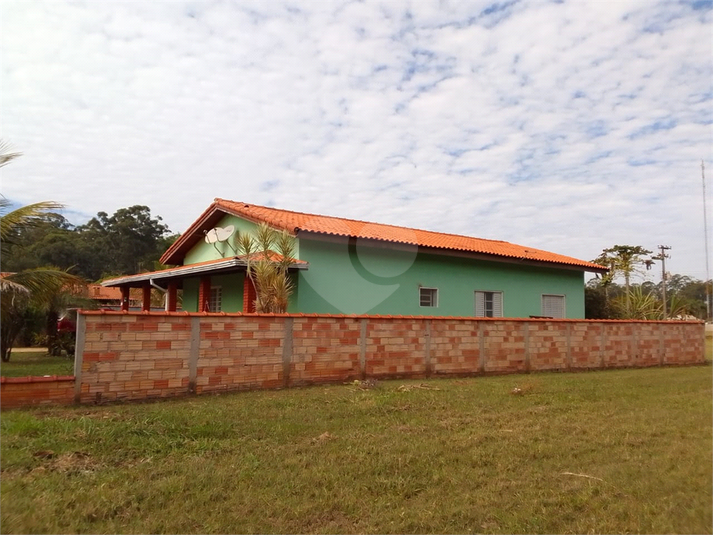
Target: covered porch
(197,280)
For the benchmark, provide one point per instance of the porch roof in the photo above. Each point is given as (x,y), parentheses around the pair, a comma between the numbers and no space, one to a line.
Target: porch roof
(210,267)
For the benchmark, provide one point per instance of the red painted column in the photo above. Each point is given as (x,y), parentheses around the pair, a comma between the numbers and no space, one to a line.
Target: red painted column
(146,299)
(249,295)
(125,298)
(204,294)
(172,296)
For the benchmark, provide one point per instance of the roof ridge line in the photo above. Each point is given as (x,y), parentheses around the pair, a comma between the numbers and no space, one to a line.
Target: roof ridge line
(218,200)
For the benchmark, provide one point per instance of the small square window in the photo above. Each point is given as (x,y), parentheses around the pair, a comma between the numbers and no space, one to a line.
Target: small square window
(553,306)
(216,299)
(428,297)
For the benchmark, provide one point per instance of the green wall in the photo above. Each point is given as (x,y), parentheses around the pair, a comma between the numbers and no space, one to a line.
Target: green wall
(357,279)
(203,251)
(190,294)
(232,295)
(360,280)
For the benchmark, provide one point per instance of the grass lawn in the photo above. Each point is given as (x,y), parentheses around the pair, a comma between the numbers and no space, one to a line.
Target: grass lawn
(24,362)
(614,452)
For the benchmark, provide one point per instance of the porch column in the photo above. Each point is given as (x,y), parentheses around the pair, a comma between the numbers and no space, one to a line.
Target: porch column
(249,295)
(125,298)
(146,299)
(204,294)
(171,299)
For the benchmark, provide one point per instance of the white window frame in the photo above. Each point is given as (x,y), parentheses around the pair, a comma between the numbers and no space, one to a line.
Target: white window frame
(564,306)
(435,294)
(475,303)
(215,298)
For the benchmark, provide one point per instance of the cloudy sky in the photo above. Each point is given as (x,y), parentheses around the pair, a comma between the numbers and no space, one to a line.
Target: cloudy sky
(569,126)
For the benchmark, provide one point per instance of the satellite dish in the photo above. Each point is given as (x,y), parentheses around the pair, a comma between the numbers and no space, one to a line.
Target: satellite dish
(219,234)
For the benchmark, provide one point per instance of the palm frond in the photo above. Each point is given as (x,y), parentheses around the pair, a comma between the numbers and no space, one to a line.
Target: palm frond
(265,237)
(8,287)
(636,304)
(285,245)
(43,284)
(24,217)
(680,306)
(6,153)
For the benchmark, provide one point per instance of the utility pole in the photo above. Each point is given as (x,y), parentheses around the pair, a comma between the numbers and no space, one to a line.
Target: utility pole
(705,237)
(663,256)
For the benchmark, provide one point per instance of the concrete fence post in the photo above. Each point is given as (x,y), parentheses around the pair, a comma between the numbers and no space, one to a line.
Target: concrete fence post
(526,335)
(79,341)
(427,356)
(569,346)
(602,344)
(194,354)
(362,349)
(481,347)
(287,351)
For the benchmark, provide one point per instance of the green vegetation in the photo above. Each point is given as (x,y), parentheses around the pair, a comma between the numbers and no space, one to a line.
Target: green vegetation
(605,299)
(28,292)
(46,262)
(127,242)
(613,451)
(268,272)
(38,362)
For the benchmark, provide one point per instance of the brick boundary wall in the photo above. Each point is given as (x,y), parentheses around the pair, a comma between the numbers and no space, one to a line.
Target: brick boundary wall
(46,390)
(130,356)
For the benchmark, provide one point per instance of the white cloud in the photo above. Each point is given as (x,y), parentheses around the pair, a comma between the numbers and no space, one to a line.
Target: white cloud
(565,126)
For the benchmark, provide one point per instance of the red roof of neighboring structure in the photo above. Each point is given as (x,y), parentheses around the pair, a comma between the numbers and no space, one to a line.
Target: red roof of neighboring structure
(99,292)
(296,222)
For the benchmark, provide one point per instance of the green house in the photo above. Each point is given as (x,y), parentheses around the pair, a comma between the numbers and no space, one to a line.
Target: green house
(344,266)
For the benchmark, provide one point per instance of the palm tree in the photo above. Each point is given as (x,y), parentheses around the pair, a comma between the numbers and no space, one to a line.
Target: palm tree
(268,256)
(29,288)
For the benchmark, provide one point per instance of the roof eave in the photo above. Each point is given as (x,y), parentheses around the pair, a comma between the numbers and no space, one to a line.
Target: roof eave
(170,257)
(462,253)
(230,264)
(174,255)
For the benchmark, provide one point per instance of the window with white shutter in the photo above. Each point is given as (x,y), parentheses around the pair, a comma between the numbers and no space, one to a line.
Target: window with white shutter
(216,299)
(553,306)
(488,304)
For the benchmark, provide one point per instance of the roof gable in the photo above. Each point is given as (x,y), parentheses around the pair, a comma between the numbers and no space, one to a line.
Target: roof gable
(297,222)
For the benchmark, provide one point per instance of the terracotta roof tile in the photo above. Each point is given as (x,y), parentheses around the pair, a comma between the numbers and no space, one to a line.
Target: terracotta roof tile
(99,292)
(295,222)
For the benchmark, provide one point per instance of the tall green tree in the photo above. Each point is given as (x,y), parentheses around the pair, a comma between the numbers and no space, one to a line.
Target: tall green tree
(623,260)
(123,244)
(50,241)
(128,242)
